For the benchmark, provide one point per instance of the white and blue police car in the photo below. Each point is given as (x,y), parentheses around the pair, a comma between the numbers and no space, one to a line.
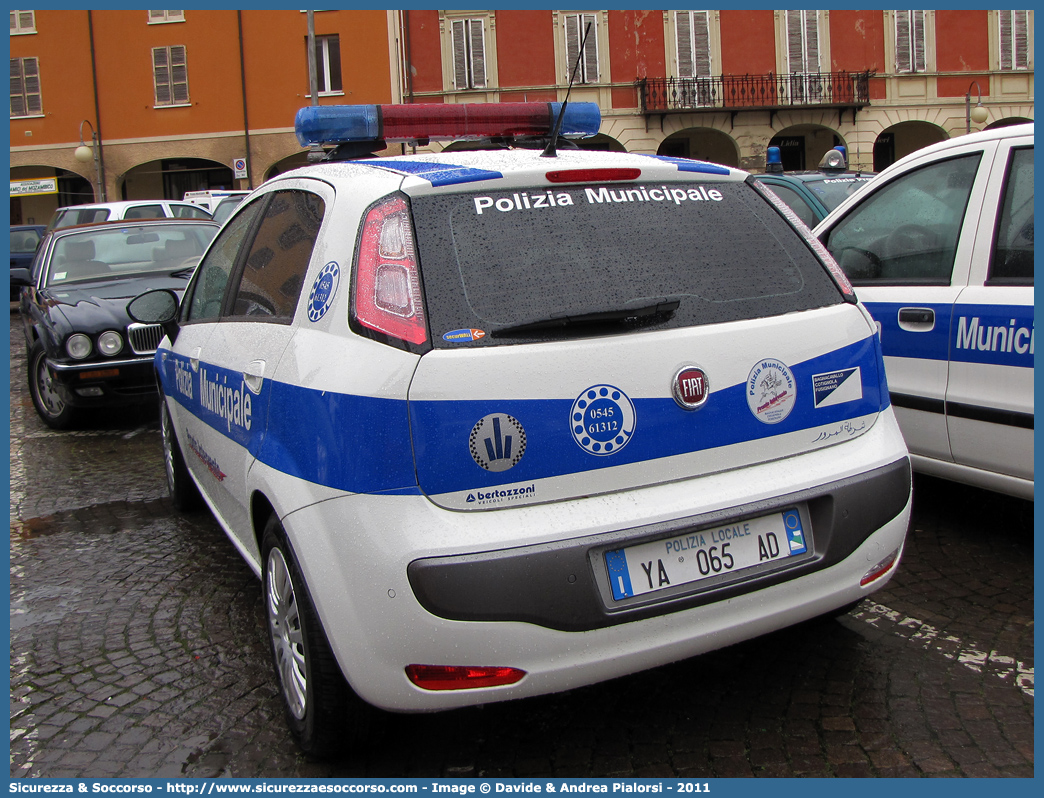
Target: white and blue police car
(940,247)
(498,423)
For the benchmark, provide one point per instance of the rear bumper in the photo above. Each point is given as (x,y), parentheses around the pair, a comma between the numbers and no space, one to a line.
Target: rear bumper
(380,571)
(562,585)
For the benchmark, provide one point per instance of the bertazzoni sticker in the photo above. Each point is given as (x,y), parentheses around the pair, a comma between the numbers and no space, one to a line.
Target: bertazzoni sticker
(837,387)
(771,391)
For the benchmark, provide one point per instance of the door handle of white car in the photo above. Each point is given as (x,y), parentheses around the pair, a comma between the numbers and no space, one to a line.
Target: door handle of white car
(194,358)
(917,319)
(253,375)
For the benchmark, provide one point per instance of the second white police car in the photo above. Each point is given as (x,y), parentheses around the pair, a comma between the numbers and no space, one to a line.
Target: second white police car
(494,424)
(940,247)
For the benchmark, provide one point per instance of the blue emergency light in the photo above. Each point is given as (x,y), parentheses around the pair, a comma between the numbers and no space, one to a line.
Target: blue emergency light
(773,160)
(336,124)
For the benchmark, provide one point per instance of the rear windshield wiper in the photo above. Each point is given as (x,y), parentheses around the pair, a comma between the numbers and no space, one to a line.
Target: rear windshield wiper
(640,315)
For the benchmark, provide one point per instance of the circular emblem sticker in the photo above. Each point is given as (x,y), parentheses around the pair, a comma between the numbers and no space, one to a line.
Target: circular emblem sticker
(771,391)
(323,290)
(690,388)
(602,420)
(497,442)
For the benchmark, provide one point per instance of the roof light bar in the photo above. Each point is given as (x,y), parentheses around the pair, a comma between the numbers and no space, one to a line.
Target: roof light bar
(334,124)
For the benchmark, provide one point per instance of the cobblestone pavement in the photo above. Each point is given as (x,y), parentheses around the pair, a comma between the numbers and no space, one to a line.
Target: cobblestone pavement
(137,650)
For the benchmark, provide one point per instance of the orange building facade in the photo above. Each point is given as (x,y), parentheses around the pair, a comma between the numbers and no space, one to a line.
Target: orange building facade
(176,98)
(180,99)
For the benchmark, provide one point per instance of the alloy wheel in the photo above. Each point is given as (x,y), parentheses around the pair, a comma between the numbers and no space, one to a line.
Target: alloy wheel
(284,627)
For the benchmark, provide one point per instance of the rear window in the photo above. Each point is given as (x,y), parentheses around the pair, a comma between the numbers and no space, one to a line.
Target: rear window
(700,253)
(121,251)
(73,216)
(832,191)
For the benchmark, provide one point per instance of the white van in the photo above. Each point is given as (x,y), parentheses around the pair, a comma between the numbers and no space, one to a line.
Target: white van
(210,199)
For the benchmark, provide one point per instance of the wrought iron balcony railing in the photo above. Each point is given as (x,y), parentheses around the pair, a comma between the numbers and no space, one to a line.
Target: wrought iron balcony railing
(750,92)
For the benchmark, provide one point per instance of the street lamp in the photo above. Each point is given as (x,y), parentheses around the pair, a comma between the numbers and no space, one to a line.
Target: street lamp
(978,114)
(85,154)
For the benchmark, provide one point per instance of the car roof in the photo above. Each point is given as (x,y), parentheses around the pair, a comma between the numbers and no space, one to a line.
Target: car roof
(468,169)
(994,134)
(814,177)
(931,151)
(150,222)
(121,204)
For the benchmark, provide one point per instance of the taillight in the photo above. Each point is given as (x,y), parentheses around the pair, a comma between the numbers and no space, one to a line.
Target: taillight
(461,677)
(880,569)
(387,296)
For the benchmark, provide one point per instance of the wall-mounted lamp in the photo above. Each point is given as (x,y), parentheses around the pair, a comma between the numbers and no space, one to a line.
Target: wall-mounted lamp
(978,114)
(86,154)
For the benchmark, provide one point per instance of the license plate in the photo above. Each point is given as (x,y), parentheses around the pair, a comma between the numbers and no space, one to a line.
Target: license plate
(757,543)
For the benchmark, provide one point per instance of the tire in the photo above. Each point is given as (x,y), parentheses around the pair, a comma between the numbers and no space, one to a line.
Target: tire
(323,713)
(184,494)
(55,412)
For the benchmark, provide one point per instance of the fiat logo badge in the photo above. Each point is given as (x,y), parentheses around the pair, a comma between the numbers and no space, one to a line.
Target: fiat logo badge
(690,388)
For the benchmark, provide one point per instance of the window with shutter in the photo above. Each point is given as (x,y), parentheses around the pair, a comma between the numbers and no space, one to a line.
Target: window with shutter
(170,75)
(694,57)
(469,54)
(328,64)
(805,82)
(575,27)
(157,17)
(909,41)
(1014,39)
(25,87)
(23,22)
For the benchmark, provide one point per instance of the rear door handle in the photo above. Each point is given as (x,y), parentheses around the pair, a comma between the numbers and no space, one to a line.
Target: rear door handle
(194,358)
(917,319)
(254,375)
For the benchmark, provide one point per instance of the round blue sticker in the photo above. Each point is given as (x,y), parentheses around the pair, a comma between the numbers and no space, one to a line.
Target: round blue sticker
(323,290)
(602,420)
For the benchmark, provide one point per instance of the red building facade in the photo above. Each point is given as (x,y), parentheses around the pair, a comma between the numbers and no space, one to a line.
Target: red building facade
(722,85)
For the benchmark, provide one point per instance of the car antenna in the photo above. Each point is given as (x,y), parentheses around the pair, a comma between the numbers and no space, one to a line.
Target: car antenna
(551,150)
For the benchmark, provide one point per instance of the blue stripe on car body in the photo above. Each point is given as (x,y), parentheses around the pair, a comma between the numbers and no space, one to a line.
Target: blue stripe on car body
(441,174)
(999,335)
(355,443)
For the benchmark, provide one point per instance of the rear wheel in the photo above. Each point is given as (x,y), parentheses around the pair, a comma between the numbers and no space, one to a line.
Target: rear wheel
(47,398)
(323,713)
(183,491)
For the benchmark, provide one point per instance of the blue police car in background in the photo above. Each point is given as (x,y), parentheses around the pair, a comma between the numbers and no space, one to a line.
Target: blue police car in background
(940,248)
(504,422)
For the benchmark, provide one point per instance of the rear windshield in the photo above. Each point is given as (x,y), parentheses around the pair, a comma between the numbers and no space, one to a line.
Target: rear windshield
(85,216)
(117,252)
(832,191)
(679,255)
